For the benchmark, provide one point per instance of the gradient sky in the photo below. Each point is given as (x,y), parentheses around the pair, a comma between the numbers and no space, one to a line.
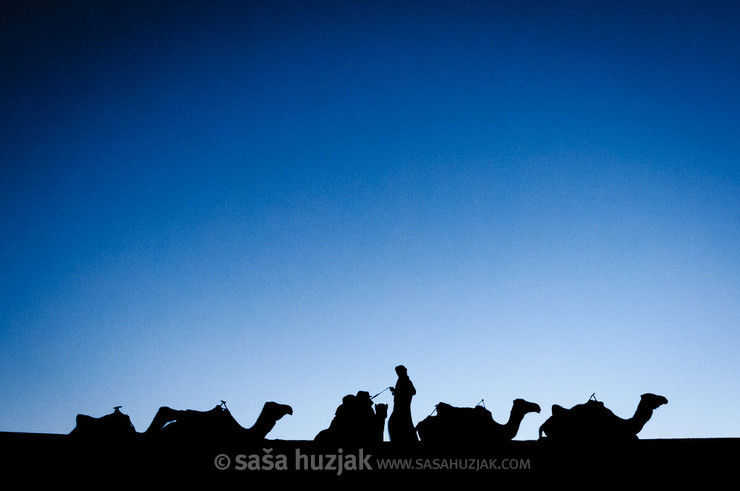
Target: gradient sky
(256,201)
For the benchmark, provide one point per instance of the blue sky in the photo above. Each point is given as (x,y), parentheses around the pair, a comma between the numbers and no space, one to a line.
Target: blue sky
(284,200)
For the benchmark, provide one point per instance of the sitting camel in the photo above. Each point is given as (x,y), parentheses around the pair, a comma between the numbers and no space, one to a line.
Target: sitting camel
(471,427)
(593,422)
(355,424)
(215,422)
(113,425)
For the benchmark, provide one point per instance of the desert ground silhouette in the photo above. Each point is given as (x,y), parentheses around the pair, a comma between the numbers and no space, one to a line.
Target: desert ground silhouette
(185,445)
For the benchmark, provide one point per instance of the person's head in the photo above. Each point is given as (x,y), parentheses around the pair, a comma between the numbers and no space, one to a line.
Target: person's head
(401,370)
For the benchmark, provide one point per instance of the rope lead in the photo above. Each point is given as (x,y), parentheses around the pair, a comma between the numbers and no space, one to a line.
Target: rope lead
(376,395)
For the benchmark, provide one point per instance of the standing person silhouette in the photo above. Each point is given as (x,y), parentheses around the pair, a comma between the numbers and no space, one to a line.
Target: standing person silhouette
(400,425)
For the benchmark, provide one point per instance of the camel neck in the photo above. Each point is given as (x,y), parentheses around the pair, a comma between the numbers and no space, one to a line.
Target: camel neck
(262,426)
(641,416)
(512,426)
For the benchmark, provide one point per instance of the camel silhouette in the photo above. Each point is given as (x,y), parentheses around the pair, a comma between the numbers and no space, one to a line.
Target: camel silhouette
(355,424)
(216,422)
(592,422)
(113,425)
(466,427)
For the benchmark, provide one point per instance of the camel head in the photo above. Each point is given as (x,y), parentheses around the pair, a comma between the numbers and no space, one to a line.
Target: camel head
(275,411)
(524,407)
(381,410)
(652,401)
